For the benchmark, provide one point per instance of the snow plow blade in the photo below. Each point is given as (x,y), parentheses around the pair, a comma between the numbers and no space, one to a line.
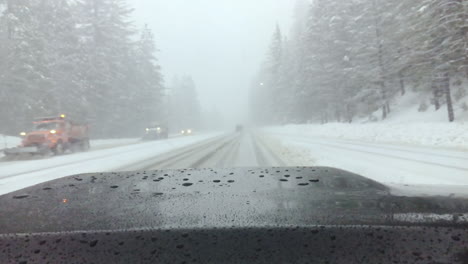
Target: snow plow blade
(23,150)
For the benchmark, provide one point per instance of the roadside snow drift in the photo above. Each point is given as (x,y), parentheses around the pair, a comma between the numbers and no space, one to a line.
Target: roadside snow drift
(8,142)
(433,157)
(442,135)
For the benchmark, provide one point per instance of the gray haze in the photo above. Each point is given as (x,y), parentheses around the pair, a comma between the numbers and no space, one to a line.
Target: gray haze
(219,43)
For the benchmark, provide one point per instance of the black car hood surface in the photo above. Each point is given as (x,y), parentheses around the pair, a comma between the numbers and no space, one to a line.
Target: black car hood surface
(323,206)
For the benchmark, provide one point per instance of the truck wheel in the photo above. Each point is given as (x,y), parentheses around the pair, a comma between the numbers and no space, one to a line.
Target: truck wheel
(59,149)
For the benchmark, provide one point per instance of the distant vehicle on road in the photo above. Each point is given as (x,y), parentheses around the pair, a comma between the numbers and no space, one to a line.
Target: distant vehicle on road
(156,132)
(52,135)
(186,132)
(239,128)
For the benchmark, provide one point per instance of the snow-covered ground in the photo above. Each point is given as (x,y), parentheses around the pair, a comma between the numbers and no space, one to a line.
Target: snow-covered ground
(410,157)
(20,174)
(436,134)
(406,109)
(415,151)
(9,141)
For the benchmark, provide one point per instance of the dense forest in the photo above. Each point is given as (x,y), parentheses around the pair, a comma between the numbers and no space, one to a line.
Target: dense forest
(85,58)
(340,61)
(344,60)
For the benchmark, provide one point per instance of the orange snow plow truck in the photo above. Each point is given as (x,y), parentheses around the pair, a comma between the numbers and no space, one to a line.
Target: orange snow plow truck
(52,135)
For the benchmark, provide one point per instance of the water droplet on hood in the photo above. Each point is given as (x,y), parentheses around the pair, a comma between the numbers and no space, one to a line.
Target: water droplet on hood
(93,243)
(21,196)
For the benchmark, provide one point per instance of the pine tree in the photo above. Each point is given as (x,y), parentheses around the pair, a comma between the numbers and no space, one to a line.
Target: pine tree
(185,107)
(24,73)
(272,77)
(294,64)
(148,91)
(107,32)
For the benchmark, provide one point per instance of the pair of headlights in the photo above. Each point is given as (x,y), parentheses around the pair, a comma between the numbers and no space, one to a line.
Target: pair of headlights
(188,131)
(53,131)
(157,129)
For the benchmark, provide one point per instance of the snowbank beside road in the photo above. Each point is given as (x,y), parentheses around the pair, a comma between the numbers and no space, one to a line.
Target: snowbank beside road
(9,141)
(408,109)
(445,135)
(410,158)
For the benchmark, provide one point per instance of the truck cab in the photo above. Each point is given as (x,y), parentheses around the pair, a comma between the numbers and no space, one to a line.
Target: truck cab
(48,133)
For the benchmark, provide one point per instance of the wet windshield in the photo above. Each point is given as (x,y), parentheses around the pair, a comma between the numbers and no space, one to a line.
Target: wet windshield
(375,89)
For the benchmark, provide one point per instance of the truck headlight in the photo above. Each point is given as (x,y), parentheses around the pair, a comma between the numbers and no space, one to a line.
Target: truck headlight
(53,131)
(189,131)
(23,134)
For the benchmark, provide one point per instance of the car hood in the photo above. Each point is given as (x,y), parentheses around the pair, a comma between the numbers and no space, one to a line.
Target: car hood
(218,198)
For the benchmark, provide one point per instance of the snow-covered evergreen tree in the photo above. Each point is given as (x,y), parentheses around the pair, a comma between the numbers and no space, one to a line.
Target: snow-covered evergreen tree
(354,57)
(79,57)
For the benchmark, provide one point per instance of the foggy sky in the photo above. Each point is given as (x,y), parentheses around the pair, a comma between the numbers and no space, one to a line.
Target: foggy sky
(220,43)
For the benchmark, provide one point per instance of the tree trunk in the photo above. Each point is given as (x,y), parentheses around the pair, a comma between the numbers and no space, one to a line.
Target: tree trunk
(435,94)
(384,112)
(448,97)
(378,37)
(338,115)
(324,117)
(464,33)
(349,114)
(402,83)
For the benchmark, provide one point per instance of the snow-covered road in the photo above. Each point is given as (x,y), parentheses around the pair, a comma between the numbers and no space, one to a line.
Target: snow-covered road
(105,157)
(406,167)
(214,150)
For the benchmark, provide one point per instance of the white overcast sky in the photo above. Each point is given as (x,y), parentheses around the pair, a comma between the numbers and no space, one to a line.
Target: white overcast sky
(220,43)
